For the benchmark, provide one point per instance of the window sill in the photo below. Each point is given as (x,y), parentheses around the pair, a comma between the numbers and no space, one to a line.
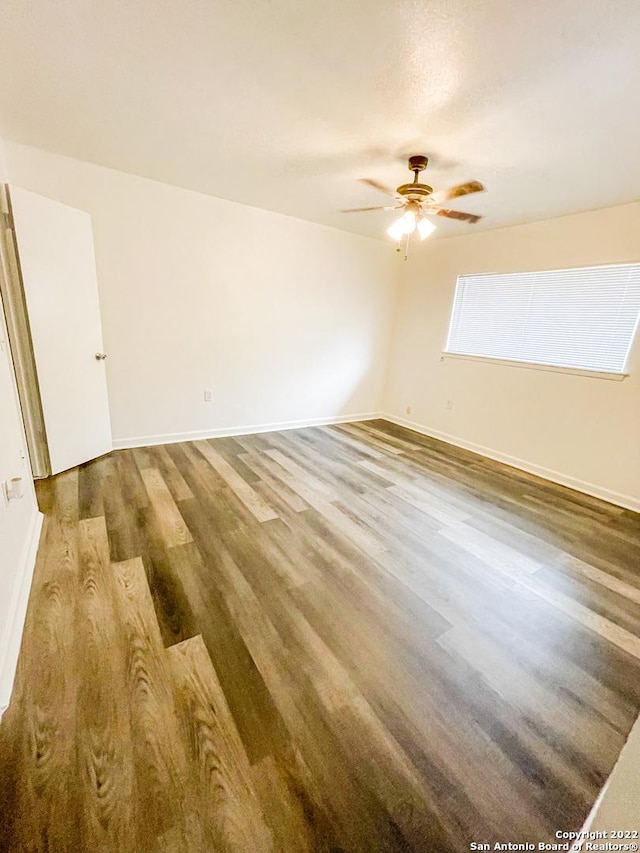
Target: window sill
(532,365)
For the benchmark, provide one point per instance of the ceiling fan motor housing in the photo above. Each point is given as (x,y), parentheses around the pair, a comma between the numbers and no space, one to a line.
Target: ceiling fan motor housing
(420,191)
(416,190)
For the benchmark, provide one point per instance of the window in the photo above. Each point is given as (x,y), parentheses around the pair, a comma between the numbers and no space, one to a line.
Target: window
(581,318)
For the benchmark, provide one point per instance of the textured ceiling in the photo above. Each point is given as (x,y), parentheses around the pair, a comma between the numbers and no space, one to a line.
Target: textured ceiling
(283,104)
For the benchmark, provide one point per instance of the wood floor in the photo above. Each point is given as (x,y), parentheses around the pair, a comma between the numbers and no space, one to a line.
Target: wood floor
(347,638)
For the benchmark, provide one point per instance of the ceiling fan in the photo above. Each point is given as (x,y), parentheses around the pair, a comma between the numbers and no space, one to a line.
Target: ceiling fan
(418,201)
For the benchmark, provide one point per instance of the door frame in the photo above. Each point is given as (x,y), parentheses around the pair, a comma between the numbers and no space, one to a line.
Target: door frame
(20,342)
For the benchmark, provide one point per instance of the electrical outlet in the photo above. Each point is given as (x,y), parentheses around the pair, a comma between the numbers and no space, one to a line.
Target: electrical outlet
(449,404)
(208,396)
(13,489)
(408,410)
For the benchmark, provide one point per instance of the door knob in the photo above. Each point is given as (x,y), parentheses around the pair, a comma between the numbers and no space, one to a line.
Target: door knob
(100,356)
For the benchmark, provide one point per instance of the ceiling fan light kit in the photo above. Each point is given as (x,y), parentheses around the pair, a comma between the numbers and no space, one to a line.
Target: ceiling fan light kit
(417,201)
(425,228)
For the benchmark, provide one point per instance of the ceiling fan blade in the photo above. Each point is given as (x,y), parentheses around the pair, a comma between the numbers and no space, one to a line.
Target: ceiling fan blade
(457,214)
(362,209)
(457,191)
(378,186)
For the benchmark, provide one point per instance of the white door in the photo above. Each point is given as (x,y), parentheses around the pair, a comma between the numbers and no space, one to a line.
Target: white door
(55,247)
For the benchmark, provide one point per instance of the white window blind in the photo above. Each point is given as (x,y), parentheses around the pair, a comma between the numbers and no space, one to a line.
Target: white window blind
(580,318)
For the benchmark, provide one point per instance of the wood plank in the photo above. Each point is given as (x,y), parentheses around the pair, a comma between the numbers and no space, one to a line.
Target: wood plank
(174,530)
(355,432)
(268,479)
(90,500)
(104,740)
(226,795)
(171,475)
(303,478)
(253,707)
(253,502)
(159,757)
(519,569)
(41,805)
(283,809)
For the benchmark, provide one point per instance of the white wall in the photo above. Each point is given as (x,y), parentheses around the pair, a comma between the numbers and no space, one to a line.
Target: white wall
(284,320)
(618,805)
(18,519)
(583,431)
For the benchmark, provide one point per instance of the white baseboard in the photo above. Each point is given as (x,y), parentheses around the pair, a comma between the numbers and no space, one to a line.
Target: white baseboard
(626,501)
(229,432)
(12,634)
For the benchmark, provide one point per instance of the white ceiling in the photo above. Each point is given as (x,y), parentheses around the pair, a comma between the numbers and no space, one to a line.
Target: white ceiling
(283,104)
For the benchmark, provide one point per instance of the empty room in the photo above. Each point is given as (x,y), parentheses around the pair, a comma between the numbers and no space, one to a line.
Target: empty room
(319,426)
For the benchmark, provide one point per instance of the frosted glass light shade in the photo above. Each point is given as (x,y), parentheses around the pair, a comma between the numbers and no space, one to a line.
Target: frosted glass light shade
(408,222)
(425,228)
(396,230)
